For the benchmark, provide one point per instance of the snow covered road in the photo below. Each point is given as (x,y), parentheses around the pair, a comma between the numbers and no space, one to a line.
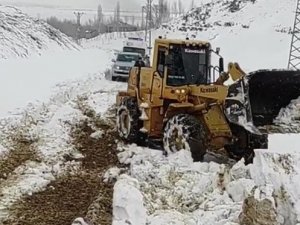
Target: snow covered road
(34,79)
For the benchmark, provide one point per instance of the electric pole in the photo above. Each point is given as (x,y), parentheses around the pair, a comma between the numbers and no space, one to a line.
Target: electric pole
(294,56)
(148,22)
(78,26)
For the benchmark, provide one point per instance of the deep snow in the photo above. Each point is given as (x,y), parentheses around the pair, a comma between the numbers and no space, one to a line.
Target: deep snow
(156,189)
(176,190)
(35,78)
(22,36)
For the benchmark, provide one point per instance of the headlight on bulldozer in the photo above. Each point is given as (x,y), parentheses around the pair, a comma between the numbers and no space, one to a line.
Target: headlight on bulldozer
(180,91)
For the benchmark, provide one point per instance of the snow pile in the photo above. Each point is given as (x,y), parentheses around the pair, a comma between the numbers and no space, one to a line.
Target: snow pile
(22,35)
(176,190)
(289,117)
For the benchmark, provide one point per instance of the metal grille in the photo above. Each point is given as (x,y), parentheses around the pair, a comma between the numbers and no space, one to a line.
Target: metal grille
(294,57)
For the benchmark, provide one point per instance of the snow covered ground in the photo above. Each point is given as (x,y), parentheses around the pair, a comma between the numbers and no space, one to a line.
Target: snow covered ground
(176,190)
(155,189)
(47,123)
(35,78)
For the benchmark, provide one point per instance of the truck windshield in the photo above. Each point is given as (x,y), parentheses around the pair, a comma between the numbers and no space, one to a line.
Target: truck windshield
(137,50)
(189,65)
(127,58)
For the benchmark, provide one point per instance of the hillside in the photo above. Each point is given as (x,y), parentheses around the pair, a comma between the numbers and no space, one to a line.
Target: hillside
(243,14)
(243,29)
(22,36)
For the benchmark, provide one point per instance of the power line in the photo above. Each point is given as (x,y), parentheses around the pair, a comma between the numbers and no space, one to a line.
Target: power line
(294,56)
(78,17)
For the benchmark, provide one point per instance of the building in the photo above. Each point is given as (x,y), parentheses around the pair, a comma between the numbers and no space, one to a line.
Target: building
(119,27)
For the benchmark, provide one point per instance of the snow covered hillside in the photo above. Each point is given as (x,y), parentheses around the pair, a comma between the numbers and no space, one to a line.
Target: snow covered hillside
(34,57)
(243,29)
(243,14)
(22,36)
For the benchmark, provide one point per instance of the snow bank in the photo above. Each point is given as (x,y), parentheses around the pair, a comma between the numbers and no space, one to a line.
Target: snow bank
(128,202)
(176,190)
(49,125)
(35,79)
(22,36)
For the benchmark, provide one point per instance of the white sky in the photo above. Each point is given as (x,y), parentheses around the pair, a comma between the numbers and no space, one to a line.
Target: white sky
(91,4)
(63,9)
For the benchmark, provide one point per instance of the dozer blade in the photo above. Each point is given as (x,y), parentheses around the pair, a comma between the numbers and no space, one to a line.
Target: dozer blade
(256,99)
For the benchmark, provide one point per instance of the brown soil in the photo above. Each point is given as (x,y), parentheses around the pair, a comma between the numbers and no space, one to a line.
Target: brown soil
(21,150)
(80,195)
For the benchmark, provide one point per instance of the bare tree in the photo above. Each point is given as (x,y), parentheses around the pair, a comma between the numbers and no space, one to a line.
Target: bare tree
(180,7)
(100,21)
(174,9)
(133,20)
(118,11)
(192,4)
(126,19)
(164,11)
(99,14)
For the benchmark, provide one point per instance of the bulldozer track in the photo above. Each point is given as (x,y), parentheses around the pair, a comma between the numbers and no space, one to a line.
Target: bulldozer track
(83,194)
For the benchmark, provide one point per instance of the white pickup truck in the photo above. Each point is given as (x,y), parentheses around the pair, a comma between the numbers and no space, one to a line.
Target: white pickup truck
(122,65)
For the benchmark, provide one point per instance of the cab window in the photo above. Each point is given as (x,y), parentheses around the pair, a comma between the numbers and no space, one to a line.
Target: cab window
(161,61)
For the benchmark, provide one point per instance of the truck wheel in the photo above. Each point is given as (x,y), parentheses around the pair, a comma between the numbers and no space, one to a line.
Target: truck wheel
(184,131)
(113,78)
(128,123)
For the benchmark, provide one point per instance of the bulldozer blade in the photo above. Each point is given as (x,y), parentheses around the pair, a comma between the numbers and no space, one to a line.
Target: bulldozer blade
(256,99)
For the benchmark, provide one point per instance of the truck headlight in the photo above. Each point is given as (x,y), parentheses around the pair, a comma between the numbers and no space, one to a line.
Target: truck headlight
(116,67)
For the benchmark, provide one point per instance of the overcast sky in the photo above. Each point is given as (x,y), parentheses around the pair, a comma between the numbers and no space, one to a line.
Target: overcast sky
(36,8)
(91,4)
(106,4)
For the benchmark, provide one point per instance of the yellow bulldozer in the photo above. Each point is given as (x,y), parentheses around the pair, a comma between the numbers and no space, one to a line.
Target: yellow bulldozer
(182,100)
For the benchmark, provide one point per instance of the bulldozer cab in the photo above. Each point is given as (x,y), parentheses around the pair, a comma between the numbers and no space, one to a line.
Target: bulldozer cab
(182,63)
(176,64)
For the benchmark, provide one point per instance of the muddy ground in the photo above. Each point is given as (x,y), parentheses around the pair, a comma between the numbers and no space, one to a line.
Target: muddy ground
(83,194)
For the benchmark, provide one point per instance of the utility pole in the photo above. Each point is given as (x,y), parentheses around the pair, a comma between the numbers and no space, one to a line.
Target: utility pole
(78,25)
(294,56)
(148,23)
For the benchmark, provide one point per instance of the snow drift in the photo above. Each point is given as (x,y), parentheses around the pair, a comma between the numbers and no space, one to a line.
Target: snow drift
(176,190)
(22,36)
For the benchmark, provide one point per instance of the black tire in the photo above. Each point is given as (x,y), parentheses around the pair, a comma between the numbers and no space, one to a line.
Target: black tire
(128,123)
(184,131)
(237,153)
(114,78)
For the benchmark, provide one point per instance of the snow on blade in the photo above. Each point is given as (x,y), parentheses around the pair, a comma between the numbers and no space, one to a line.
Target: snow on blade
(289,117)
